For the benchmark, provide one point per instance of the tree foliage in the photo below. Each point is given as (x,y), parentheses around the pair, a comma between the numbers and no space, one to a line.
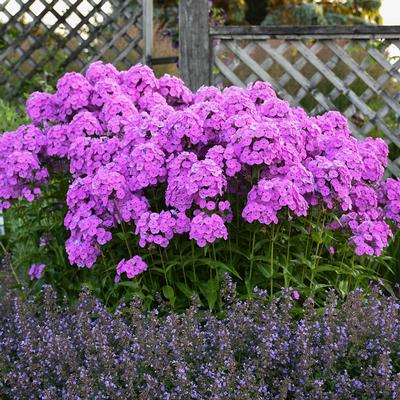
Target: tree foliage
(298,12)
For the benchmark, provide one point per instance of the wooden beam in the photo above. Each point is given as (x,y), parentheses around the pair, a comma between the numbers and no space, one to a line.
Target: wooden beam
(315,31)
(194,43)
(147,29)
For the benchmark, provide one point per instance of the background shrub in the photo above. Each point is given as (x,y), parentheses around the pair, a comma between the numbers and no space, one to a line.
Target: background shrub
(11,116)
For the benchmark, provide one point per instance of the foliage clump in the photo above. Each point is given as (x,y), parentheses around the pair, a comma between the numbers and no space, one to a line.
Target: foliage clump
(252,349)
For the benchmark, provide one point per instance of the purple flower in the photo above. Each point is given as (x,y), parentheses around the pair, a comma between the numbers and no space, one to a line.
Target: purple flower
(35,271)
(268,197)
(206,229)
(129,137)
(133,267)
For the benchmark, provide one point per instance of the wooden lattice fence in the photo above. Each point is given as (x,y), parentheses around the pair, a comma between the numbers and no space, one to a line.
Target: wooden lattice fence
(59,35)
(351,69)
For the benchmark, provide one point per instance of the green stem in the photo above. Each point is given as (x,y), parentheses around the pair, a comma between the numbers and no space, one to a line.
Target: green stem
(3,248)
(285,275)
(126,240)
(181,258)
(123,231)
(163,266)
(11,266)
(272,261)
(253,243)
(193,266)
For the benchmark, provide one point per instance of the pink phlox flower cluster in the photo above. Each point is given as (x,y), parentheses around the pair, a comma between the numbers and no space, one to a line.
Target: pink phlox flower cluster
(233,123)
(117,113)
(206,228)
(175,92)
(237,101)
(138,81)
(332,182)
(257,144)
(30,138)
(160,228)
(268,197)
(144,166)
(212,118)
(274,108)
(208,93)
(297,173)
(181,126)
(389,198)
(73,93)
(370,237)
(98,71)
(150,100)
(178,169)
(260,92)
(93,203)
(85,123)
(132,267)
(58,140)
(123,135)
(42,108)
(205,181)
(87,154)
(369,232)
(186,124)
(104,90)
(364,200)
(21,170)
(374,153)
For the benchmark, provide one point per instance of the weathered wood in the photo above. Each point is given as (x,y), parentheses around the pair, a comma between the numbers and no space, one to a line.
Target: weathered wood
(355,74)
(164,60)
(359,31)
(194,43)
(147,6)
(124,29)
(2,227)
(122,36)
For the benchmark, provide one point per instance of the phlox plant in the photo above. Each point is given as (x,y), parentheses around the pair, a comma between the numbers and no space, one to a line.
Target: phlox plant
(155,188)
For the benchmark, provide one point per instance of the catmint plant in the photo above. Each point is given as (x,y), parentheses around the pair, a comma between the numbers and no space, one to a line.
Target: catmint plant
(254,348)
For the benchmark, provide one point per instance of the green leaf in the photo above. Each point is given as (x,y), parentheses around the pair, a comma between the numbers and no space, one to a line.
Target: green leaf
(210,291)
(123,235)
(130,284)
(260,244)
(214,264)
(184,289)
(168,292)
(317,237)
(265,270)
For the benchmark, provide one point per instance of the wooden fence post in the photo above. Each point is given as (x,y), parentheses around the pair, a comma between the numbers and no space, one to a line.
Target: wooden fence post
(2,227)
(147,29)
(194,43)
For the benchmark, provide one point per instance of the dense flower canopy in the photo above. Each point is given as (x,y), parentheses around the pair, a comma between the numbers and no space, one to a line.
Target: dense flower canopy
(123,134)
